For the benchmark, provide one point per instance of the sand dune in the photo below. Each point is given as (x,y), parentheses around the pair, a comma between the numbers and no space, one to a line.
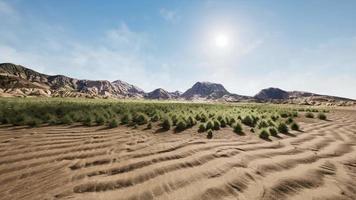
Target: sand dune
(75,162)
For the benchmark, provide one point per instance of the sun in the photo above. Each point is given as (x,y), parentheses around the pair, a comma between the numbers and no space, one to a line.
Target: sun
(221,40)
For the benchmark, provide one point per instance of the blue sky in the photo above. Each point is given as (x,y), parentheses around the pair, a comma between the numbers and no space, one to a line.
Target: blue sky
(294,45)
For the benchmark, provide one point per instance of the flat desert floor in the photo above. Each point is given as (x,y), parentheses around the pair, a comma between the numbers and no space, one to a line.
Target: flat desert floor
(76,162)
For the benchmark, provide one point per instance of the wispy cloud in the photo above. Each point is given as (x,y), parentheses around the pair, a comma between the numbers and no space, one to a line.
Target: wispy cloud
(169,15)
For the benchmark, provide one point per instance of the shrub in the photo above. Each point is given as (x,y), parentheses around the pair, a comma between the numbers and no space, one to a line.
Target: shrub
(289,120)
(209,125)
(238,128)
(216,125)
(66,119)
(201,128)
(252,130)
(282,128)
(155,118)
(149,125)
(126,118)
(232,121)
(191,121)
(197,117)
(262,124)
(210,134)
(181,125)
(88,121)
(140,119)
(223,123)
(294,126)
(271,123)
(284,114)
(248,121)
(273,131)
(264,134)
(322,116)
(203,118)
(113,123)
(33,122)
(100,120)
(166,124)
(274,118)
(309,115)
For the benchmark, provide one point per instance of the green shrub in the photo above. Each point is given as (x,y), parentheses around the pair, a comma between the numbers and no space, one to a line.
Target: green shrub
(223,123)
(322,116)
(201,128)
(100,120)
(209,125)
(88,121)
(216,125)
(126,118)
(309,115)
(262,124)
(113,123)
(232,121)
(289,120)
(264,134)
(181,125)
(273,131)
(210,134)
(155,118)
(140,119)
(238,128)
(284,114)
(66,119)
(34,122)
(282,128)
(294,126)
(274,118)
(248,121)
(166,124)
(191,121)
(203,118)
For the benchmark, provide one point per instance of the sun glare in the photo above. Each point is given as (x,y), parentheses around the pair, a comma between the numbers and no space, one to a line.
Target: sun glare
(221,40)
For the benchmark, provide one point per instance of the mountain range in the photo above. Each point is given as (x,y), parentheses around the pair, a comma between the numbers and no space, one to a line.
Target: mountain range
(19,81)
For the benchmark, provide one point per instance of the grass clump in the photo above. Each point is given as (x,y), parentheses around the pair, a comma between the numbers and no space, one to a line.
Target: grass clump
(202,128)
(264,134)
(181,125)
(113,123)
(273,131)
(238,128)
(166,124)
(309,115)
(210,134)
(88,121)
(126,118)
(282,128)
(248,121)
(294,126)
(140,119)
(216,125)
(209,125)
(322,116)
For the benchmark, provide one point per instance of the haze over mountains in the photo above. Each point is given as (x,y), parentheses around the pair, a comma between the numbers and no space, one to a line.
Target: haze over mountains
(19,81)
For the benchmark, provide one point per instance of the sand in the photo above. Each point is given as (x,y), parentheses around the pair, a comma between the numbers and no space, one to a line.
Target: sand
(76,162)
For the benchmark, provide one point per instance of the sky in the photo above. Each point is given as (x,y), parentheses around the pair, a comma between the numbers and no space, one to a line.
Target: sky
(244,45)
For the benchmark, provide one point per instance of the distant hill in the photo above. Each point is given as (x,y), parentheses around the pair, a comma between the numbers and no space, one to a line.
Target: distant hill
(298,97)
(16,80)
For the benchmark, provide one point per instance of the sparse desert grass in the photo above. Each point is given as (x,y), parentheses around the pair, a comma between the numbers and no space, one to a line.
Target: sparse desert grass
(168,115)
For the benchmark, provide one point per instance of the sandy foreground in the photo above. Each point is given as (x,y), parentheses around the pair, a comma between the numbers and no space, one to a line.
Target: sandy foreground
(75,162)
